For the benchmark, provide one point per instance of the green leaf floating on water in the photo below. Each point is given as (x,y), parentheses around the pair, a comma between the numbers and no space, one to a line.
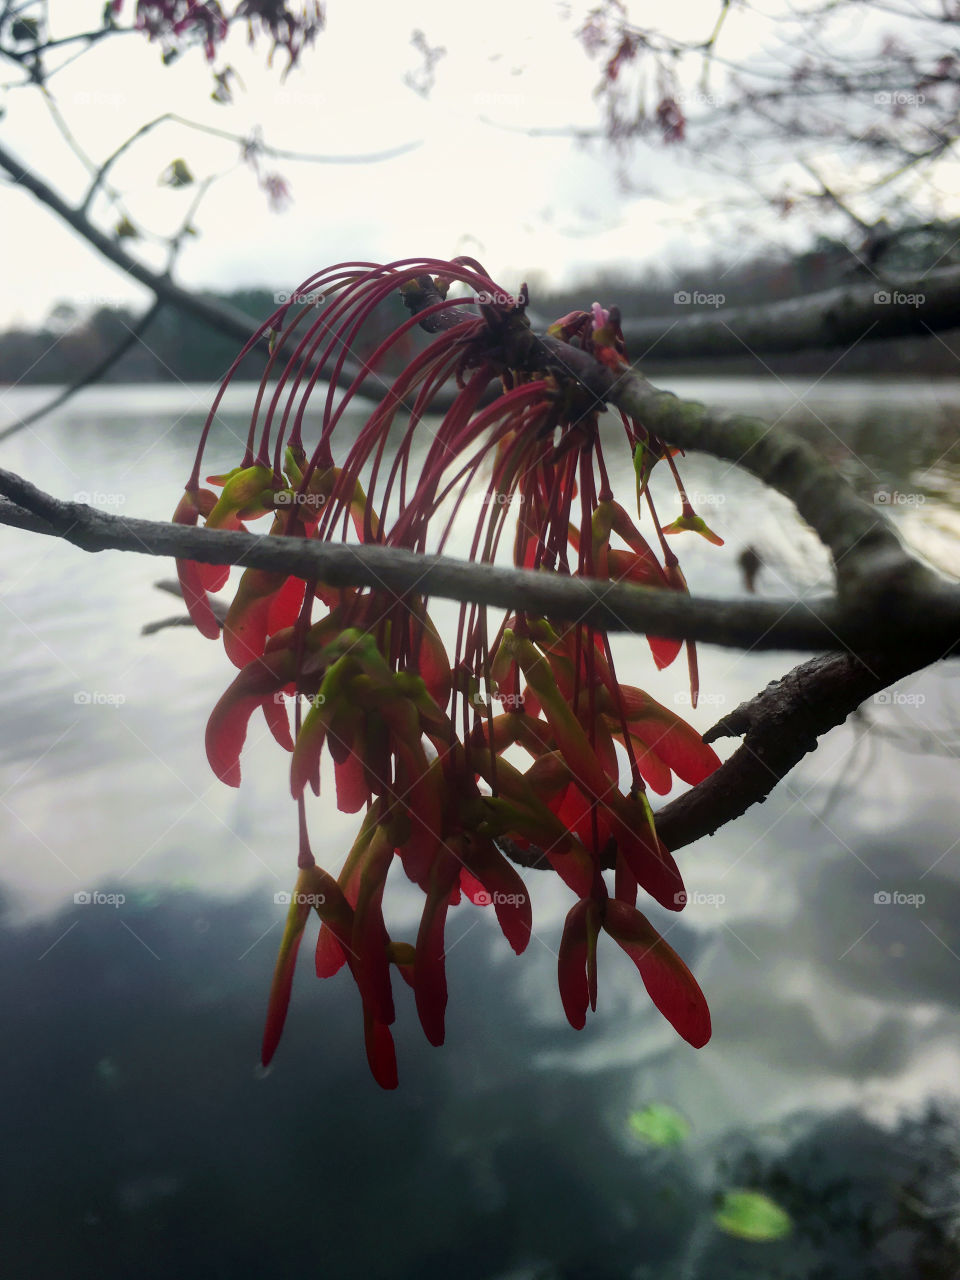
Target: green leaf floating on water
(750,1215)
(659,1125)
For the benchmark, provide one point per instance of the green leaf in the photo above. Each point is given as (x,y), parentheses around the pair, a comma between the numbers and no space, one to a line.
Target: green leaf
(659,1124)
(643,462)
(176,174)
(750,1215)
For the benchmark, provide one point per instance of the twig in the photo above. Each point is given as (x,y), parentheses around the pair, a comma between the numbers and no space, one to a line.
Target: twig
(218,315)
(276,153)
(779,727)
(609,606)
(217,607)
(99,370)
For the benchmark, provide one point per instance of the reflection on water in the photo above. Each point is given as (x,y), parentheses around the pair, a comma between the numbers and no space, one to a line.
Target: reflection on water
(898,443)
(139,1129)
(138,1134)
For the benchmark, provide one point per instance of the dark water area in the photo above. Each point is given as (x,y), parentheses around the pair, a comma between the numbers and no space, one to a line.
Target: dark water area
(140,1140)
(824,927)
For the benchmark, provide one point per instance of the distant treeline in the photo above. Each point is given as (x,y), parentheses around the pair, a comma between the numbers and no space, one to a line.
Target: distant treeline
(173,348)
(178,348)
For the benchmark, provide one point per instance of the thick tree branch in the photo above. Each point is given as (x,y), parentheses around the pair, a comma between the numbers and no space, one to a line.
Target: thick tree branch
(832,318)
(218,315)
(615,607)
(779,727)
(873,568)
(837,316)
(880,579)
(892,616)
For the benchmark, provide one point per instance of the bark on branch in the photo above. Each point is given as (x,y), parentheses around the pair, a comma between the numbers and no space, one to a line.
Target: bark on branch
(779,727)
(836,317)
(612,606)
(873,569)
(892,616)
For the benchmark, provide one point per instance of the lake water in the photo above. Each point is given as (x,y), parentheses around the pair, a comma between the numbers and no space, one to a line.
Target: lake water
(138,1138)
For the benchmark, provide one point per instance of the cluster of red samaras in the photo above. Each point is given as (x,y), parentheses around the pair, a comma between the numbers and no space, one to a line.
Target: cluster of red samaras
(516,742)
(178,22)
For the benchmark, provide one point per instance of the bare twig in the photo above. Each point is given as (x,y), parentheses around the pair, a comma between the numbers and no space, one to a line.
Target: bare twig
(263,148)
(610,606)
(218,315)
(94,374)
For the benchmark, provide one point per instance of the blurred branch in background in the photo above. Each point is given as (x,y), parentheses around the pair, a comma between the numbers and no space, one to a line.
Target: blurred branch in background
(94,374)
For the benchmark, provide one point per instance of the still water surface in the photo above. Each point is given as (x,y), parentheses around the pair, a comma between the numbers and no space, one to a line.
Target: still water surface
(139,1132)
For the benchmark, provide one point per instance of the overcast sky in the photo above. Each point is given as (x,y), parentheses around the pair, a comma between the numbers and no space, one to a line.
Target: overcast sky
(528,207)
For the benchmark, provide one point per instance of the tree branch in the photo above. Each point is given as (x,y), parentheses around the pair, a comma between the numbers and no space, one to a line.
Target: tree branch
(832,318)
(94,374)
(611,606)
(779,727)
(263,148)
(873,568)
(892,616)
(218,315)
